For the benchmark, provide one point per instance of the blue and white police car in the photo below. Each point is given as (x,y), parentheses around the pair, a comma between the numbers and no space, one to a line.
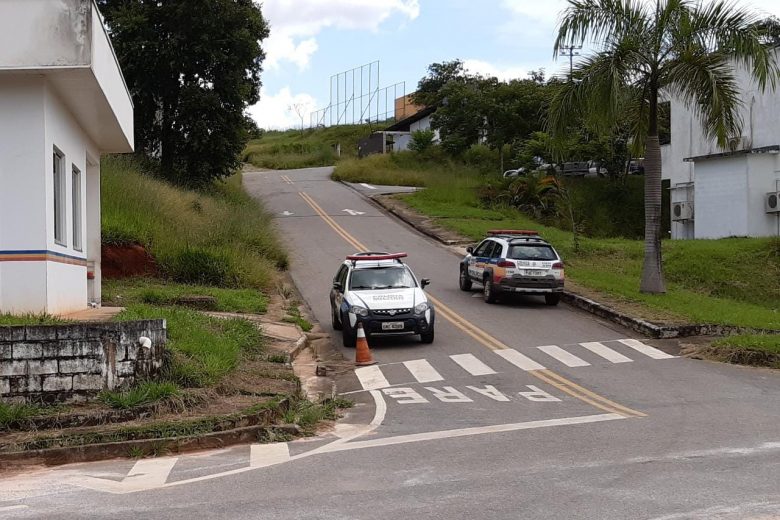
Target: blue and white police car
(378,290)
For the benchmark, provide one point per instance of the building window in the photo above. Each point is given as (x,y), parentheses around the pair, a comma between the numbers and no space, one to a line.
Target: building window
(76,192)
(59,197)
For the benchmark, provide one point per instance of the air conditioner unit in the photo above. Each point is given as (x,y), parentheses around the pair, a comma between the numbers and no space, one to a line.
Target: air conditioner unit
(772,202)
(682,211)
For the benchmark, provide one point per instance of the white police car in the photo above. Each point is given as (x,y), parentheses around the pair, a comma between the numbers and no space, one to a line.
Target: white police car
(378,290)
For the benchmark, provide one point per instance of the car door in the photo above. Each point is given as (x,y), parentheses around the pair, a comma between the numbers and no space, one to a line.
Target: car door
(479,258)
(337,295)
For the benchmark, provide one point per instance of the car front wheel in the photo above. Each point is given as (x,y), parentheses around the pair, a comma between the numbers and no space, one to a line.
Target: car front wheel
(464,281)
(427,337)
(552,299)
(335,319)
(348,336)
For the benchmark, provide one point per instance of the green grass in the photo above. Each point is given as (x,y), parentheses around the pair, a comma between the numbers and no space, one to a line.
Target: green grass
(12,415)
(221,237)
(759,342)
(204,349)
(31,319)
(284,150)
(144,393)
(160,292)
(307,414)
(732,281)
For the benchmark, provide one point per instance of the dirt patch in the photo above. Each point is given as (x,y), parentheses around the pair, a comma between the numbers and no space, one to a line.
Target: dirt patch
(124,261)
(733,355)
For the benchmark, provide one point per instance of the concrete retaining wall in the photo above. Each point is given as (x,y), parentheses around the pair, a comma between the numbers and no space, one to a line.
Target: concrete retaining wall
(54,363)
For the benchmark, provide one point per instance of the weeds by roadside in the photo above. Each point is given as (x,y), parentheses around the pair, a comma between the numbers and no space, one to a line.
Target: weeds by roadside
(294,316)
(12,415)
(144,393)
(32,319)
(204,349)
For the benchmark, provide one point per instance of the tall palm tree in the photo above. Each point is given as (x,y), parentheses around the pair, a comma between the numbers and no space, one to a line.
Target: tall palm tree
(646,50)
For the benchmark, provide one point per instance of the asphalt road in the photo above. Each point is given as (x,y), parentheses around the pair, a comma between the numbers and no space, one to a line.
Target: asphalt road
(517,410)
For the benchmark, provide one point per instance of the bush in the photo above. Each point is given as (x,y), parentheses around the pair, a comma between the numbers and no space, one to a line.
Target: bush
(422,140)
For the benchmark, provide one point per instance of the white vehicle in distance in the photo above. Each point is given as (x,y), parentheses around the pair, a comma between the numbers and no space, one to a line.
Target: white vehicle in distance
(378,290)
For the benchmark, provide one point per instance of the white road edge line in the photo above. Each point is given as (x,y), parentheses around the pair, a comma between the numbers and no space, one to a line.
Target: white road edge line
(607,353)
(647,350)
(18,507)
(479,430)
(423,371)
(472,365)
(380,410)
(568,359)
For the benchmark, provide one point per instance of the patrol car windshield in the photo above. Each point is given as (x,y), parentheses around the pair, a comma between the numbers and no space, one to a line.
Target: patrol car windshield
(531,252)
(381,278)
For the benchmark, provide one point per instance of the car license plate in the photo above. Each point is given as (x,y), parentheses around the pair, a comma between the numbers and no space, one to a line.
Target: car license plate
(393,325)
(534,272)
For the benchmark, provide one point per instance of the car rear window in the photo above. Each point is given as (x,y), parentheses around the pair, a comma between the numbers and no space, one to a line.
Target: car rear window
(531,252)
(381,278)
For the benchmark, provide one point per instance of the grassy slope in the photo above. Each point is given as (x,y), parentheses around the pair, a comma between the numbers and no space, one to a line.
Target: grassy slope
(295,149)
(221,238)
(730,281)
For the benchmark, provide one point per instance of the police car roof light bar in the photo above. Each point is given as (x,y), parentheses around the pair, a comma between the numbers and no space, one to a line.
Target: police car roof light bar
(363,257)
(521,232)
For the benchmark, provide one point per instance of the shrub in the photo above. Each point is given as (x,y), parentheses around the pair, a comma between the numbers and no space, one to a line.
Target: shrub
(422,140)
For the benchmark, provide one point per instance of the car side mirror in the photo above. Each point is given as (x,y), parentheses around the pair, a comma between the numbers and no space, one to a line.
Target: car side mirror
(337,286)
(425,282)
(469,250)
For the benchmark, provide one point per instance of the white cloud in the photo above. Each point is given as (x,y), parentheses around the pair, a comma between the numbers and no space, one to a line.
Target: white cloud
(294,25)
(489,69)
(546,11)
(278,111)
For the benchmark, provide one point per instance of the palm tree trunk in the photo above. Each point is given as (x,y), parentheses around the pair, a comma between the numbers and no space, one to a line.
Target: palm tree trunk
(652,270)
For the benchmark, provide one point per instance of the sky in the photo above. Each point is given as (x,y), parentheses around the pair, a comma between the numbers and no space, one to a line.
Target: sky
(311,40)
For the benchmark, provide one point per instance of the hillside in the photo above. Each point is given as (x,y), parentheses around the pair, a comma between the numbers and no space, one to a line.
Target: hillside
(289,149)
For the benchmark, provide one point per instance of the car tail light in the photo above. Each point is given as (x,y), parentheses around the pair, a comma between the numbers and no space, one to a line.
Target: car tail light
(506,263)
(559,267)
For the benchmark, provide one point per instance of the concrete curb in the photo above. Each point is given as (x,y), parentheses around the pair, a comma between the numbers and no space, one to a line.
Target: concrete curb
(238,429)
(167,445)
(300,346)
(598,309)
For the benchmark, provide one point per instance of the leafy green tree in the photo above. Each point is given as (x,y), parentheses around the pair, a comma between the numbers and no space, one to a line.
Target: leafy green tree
(429,89)
(192,67)
(687,49)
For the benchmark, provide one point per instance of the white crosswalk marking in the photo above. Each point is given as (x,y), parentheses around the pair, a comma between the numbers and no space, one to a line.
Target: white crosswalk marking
(422,371)
(371,378)
(606,352)
(262,455)
(647,350)
(519,360)
(570,360)
(472,365)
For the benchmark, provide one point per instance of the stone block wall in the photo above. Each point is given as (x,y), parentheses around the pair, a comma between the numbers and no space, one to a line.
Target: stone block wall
(54,363)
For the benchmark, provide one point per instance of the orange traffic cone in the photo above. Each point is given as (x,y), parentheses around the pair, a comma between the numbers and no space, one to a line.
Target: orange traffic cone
(363,355)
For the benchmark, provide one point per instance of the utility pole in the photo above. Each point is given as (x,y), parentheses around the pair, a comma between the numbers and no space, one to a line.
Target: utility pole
(571,52)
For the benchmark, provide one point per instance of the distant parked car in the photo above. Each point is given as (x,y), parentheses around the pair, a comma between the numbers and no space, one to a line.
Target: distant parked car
(514,173)
(636,167)
(595,169)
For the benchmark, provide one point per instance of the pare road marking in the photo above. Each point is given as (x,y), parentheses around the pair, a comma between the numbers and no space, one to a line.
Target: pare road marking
(448,394)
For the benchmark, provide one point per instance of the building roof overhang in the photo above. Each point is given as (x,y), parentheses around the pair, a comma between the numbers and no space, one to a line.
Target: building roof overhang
(65,42)
(772,149)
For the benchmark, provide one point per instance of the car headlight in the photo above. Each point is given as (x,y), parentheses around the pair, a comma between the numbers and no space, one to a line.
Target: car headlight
(421,308)
(358,310)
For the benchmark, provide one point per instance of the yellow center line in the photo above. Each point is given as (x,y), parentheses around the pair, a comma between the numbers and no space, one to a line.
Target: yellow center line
(486,340)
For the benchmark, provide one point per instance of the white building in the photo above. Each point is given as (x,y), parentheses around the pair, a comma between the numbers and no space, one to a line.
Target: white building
(63,103)
(719,193)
